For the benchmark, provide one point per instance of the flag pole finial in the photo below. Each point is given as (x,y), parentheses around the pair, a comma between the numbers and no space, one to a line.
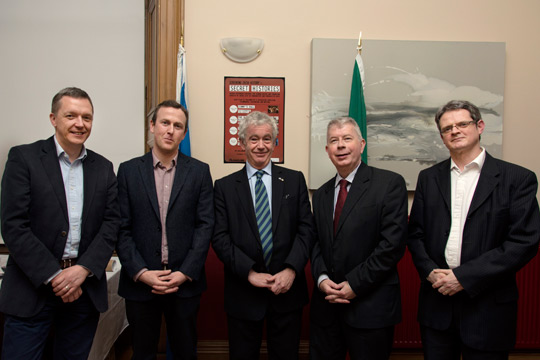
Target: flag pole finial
(359,47)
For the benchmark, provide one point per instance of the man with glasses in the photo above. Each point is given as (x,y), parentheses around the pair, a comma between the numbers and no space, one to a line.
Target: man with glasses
(474,223)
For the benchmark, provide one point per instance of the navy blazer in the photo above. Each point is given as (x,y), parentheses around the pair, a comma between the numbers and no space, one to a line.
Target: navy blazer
(368,244)
(189,224)
(500,236)
(35,225)
(237,243)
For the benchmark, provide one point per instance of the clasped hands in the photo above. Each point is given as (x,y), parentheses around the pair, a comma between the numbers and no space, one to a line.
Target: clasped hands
(341,293)
(163,281)
(278,284)
(67,284)
(445,281)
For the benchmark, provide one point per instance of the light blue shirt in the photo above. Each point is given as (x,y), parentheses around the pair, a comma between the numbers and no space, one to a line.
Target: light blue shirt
(266,179)
(72,174)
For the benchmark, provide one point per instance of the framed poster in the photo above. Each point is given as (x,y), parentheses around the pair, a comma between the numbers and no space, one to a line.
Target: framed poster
(244,95)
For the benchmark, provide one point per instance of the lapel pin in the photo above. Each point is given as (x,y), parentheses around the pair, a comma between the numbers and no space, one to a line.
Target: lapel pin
(280,179)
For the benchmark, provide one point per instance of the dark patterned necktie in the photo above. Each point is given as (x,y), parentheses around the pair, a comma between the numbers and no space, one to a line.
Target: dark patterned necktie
(264,217)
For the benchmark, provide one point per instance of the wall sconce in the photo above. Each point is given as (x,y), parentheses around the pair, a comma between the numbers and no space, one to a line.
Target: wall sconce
(241,49)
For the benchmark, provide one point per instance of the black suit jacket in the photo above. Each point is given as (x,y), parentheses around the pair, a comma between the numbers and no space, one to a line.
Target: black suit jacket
(369,242)
(190,221)
(500,236)
(237,243)
(35,225)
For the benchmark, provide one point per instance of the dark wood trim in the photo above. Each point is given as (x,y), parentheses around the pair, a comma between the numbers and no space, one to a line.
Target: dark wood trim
(162,36)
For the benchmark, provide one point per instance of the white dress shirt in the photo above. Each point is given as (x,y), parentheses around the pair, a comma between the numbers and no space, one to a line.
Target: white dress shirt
(463,186)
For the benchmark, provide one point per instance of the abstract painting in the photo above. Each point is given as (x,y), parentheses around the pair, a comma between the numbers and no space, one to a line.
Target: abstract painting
(406,82)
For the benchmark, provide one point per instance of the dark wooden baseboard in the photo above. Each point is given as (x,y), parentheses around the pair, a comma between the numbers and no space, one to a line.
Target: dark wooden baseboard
(219,350)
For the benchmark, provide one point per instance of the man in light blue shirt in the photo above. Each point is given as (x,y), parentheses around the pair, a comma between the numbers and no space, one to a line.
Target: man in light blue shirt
(60,222)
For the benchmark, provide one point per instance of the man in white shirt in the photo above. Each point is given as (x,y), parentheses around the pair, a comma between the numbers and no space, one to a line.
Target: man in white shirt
(474,223)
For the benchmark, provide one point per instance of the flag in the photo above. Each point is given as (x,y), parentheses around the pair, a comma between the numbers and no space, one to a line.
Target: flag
(181,93)
(357,106)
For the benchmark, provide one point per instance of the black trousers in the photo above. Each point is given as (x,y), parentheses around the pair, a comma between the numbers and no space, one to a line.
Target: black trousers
(180,317)
(332,342)
(282,334)
(74,326)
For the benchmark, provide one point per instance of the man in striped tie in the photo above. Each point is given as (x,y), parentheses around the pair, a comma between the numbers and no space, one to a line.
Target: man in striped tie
(263,235)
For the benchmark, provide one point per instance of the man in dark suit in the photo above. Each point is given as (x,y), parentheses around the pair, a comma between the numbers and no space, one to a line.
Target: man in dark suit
(166,202)
(361,223)
(263,235)
(474,223)
(60,221)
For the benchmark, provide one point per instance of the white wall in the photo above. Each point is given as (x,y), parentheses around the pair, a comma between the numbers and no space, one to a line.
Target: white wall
(288,27)
(96,45)
(99,45)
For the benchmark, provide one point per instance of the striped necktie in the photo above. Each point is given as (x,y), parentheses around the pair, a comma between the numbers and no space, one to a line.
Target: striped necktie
(264,218)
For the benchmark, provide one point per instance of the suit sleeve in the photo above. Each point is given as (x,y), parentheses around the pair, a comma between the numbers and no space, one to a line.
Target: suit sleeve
(204,225)
(318,266)
(416,238)
(31,255)
(132,261)
(99,252)
(231,255)
(393,229)
(303,240)
(520,243)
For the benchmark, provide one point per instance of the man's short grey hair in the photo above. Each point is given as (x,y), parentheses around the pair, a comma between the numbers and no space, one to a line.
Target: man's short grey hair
(256,118)
(342,121)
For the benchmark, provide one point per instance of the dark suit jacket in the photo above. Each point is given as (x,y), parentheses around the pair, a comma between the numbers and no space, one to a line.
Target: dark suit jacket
(190,221)
(237,243)
(35,225)
(369,242)
(500,236)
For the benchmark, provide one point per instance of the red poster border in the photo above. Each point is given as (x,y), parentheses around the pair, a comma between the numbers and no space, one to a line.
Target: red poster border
(233,153)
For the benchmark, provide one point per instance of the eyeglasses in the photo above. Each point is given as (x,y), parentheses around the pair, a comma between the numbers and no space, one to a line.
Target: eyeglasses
(460,125)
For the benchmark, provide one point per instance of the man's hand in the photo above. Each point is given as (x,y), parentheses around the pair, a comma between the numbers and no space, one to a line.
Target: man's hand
(282,281)
(447,283)
(340,293)
(174,280)
(435,275)
(261,280)
(153,279)
(68,283)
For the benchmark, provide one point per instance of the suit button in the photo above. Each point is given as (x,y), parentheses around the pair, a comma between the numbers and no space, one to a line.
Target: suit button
(64,233)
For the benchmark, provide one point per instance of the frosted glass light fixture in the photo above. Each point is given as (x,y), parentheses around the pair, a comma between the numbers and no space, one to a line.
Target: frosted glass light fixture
(241,49)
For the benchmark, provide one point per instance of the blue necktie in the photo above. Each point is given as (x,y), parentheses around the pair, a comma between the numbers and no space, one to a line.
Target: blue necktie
(264,218)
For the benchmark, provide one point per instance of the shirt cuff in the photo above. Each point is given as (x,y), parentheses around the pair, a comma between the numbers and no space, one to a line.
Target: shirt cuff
(321,278)
(138,275)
